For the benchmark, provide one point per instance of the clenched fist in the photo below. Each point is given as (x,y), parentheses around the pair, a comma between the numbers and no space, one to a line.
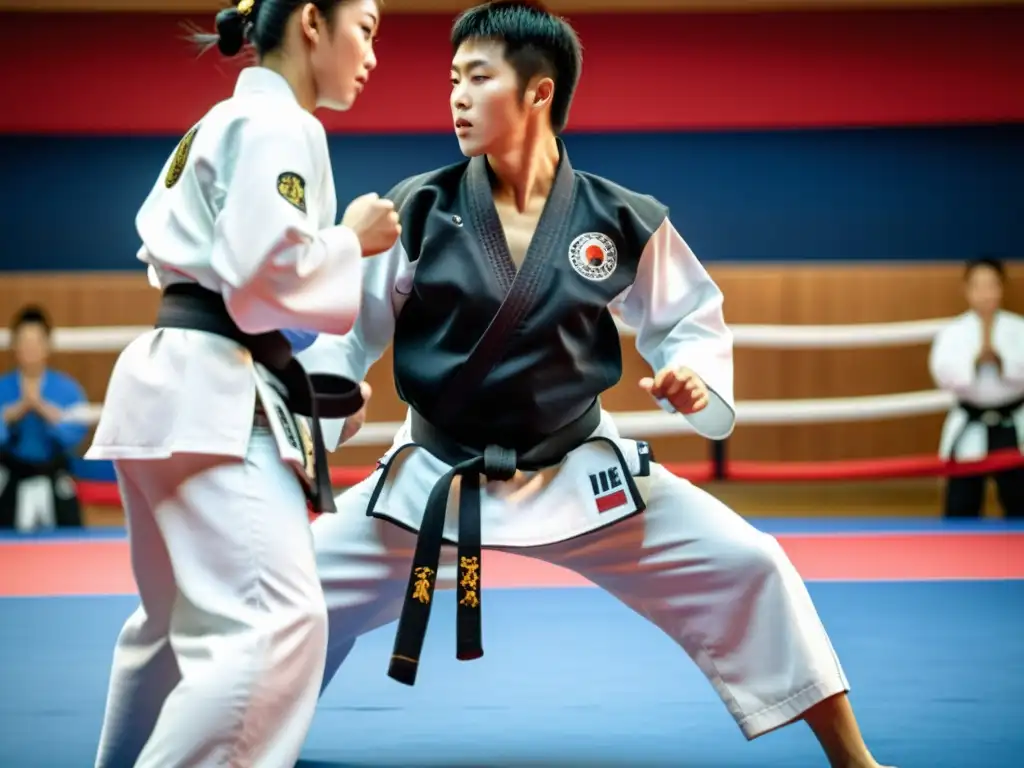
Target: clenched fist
(374,221)
(683,388)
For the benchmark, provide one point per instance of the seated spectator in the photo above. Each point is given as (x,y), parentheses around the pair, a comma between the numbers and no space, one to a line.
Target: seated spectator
(979,357)
(36,442)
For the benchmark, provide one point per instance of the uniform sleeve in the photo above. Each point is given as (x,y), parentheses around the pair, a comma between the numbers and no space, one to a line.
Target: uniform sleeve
(279,268)
(1009,345)
(65,393)
(952,356)
(676,309)
(387,281)
(10,393)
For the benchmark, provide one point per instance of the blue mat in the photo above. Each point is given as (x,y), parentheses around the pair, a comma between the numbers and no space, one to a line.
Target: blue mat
(572,678)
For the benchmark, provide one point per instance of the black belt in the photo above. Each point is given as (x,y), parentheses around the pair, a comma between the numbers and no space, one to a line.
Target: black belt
(991,416)
(20,469)
(495,463)
(191,307)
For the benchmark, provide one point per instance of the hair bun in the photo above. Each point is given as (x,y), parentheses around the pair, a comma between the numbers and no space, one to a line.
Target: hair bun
(230,31)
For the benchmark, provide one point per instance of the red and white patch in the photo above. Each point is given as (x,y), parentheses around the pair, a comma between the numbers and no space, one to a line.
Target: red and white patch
(593,256)
(609,489)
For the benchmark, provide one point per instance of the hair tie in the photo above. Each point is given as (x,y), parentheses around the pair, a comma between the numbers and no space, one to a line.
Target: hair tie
(245,7)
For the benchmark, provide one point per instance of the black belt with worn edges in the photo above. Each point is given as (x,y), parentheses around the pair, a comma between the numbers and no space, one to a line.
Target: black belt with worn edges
(468,464)
(191,307)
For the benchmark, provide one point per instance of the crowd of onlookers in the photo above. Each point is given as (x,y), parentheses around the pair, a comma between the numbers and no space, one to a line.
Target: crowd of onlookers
(979,358)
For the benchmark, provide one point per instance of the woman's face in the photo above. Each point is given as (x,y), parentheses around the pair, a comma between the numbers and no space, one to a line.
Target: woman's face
(342,54)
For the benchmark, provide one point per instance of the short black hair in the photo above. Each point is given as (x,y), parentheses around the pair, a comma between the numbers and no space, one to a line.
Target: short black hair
(536,43)
(32,314)
(991,262)
(259,22)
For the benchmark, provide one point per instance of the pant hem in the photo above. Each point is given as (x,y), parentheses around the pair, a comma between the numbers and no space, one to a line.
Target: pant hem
(778,715)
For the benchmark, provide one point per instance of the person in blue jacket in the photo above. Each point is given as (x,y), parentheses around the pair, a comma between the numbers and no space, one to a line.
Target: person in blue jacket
(37,441)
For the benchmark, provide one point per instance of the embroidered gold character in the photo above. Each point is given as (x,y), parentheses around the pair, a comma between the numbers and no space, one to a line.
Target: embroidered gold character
(292,188)
(421,587)
(181,154)
(470,582)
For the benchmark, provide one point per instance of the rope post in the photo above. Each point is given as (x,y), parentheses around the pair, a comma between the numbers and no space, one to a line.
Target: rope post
(718,458)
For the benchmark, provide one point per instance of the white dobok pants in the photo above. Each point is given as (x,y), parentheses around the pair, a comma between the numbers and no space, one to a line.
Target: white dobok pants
(724,591)
(222,662)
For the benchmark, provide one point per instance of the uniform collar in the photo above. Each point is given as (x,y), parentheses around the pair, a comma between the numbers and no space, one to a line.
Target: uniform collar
(263,80)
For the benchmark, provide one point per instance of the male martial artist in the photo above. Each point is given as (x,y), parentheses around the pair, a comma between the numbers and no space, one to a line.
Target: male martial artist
(37,440)
(496,302)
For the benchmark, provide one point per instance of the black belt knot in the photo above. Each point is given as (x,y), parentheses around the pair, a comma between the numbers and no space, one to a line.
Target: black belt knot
(499,463)
(991,418)
(495,463)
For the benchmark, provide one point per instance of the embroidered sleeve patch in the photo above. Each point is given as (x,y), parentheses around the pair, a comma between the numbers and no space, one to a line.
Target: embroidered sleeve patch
(180,158)
(292,188)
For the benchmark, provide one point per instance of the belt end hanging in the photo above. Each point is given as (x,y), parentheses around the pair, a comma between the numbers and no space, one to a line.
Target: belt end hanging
(468,623)
(469,632)
(403,669)
(412,624)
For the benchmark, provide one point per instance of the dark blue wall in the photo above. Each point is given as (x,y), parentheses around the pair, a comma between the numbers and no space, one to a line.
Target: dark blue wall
(882,194)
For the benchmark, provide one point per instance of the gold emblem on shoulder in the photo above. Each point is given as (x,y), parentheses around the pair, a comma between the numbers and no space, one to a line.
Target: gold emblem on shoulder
(469,582)
(292,188)
(180,158)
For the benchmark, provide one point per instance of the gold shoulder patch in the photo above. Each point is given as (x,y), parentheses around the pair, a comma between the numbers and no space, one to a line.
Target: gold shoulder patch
(292,188)
(180,158)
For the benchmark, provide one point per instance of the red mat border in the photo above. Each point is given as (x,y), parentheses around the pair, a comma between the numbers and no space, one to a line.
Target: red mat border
(102,567)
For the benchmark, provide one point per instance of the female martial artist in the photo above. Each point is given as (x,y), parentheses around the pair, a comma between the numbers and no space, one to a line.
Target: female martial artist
(979,358)
(222,662)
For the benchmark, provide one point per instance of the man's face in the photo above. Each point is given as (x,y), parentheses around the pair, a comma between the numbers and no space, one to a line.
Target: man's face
(487,110)
(984,290)
(31,346)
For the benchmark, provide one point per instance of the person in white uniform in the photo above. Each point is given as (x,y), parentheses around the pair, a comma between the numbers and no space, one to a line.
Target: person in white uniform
(979,358)
(222,661)
(496,300)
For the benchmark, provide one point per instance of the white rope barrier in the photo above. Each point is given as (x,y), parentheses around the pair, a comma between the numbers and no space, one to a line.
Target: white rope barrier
(652,423)
(864,335)
(659,424)
(116,338)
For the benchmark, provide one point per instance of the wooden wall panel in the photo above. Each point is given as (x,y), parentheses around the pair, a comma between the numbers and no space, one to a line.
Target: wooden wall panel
(774,294)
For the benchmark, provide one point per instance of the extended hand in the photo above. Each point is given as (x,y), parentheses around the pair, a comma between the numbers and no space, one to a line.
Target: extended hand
(683,388)
(355,422)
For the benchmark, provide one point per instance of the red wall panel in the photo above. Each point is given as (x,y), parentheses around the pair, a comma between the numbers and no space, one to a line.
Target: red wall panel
(135,74)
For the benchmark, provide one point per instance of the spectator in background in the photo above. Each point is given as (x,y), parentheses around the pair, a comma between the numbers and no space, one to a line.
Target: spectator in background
(36,443)
(979,357)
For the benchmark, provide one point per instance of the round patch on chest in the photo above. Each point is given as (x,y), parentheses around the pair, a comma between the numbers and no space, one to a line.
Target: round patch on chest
(593,256)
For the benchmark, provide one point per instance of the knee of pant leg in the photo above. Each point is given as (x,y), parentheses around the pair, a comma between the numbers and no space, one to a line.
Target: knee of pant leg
(309,618)
(140,627)
(758,558)
(316,616)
